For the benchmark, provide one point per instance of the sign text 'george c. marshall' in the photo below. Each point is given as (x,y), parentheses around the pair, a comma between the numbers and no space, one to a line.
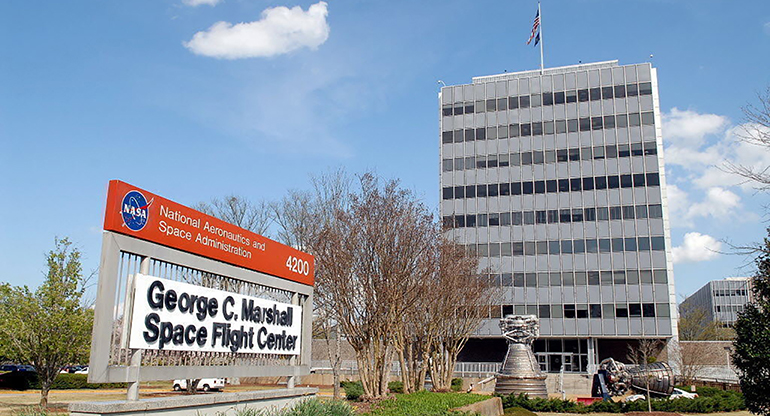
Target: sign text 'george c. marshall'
(171,315)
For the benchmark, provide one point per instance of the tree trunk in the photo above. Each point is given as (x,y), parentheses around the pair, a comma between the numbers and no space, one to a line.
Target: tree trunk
(46,381)
(336,366)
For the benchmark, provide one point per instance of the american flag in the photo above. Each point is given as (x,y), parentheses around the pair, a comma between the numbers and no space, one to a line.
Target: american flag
(535,27)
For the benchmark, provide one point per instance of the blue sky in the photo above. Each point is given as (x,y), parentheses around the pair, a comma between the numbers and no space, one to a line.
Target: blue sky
(159,94)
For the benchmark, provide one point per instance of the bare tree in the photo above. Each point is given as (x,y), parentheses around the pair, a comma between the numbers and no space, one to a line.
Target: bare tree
(691,357)
(239,211)
(643,354)
(756,131)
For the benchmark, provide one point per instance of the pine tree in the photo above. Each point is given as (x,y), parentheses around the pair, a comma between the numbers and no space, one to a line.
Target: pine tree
(752,344)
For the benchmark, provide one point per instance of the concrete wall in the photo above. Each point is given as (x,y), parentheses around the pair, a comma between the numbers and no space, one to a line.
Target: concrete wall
(224,404)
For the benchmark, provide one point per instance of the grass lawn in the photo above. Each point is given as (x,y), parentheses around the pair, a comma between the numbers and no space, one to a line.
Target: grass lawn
(424,403)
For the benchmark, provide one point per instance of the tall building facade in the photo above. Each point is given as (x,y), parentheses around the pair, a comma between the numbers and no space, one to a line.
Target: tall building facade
(722,300)
(556,179)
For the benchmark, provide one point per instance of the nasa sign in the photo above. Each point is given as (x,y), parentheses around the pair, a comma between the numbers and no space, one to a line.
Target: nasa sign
(140,214)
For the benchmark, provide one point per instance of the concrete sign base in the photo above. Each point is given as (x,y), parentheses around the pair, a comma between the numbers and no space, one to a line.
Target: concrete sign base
(200,404)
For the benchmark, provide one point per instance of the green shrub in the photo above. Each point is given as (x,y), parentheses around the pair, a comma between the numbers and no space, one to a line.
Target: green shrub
(457,384)
(353,390)
(396,387)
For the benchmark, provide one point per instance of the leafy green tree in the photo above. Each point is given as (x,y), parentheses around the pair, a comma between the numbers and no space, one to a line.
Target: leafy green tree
(48,327)
(752,343)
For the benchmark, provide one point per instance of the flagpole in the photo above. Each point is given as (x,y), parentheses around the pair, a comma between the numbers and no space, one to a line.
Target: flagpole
(540,13)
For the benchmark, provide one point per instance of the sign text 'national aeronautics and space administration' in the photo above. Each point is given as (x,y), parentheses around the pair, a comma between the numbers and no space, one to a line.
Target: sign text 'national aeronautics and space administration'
(171,315)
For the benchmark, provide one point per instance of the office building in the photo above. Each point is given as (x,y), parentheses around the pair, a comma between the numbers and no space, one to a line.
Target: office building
(721,300)
(556,179)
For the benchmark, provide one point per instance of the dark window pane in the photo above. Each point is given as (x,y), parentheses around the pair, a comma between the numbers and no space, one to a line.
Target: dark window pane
(575,184)
(574,154)
(526,129)
(645,88)
(561,155)
(515,188)
(633,120)
(620,91)
(650,148)
(613,182)
(492,190)
(469,107)
(630,244)
(524,101)
(481,162)
(446,110)
(606,92)
(470,220)
(625,181)
(634,309)
(604,245)
(578,246)
(628,212)
(540,218)
(596,311)
(600,182)
(513,130)
(585,124)
(460,220)
(596,123)
(617,245)
(459,192)
(553,216)
(612,151)
(656,211)
(558,97)
(494,219)
(550,186)
(571,96)
(621,120)
(516,219)
(648,310)
(582,95)
(653,179)
(609,122)
(565,216)
(447,193)
(470,191)
(632,90)
(641,211)
(648,119)
(602,213)
(459,136)
(446,137)
(505,189)
(481,190)
(458,110)
(643,243)
(491,105)
(547,98)
(636,149)
(537,129)
(481,134)
(599,152)
(566,248)
(502,104)
(621,312)
(527,188)
(539,187)
(658,243)
(588,184)
(569,311)
(526,158)
(470,135)
(590,214)
(513,102)
(595,94)
(592,246)
(544,311)
(554,248)
(624,150)
(616,213)
(563,185)
(448,222)
(548,127)
(577,216)
(638,179)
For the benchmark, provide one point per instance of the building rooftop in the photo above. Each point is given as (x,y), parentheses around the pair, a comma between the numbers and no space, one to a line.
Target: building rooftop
(546,71)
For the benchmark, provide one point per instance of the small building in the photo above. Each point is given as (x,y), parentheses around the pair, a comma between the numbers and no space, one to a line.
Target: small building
(721,299)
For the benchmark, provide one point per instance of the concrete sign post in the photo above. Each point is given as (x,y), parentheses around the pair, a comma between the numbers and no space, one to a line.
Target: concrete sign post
(183,295)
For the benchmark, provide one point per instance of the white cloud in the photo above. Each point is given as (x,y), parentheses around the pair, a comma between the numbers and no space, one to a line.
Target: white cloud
(696,247)
(678,206)
(719,203)
(281,30)
(196,3)
(689,128)
(766,27)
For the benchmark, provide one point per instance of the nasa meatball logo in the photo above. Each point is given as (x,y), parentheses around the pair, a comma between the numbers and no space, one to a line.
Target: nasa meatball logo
(135,210)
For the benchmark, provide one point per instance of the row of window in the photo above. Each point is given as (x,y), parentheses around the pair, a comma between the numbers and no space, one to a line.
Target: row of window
(729,308)
(584,311)
(547,98)
(553,185)
(569,278)
(728,292)
(548,127)
(550,156)
(626,212)
(579,246)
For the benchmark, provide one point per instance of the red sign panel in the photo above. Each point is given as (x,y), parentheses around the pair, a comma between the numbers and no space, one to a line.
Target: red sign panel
(137,213)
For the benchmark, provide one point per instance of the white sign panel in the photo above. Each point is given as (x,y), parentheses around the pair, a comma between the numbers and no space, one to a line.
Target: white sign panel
(171,315)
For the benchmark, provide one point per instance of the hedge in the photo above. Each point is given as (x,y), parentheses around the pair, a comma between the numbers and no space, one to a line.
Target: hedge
(24,380)
(709,400)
